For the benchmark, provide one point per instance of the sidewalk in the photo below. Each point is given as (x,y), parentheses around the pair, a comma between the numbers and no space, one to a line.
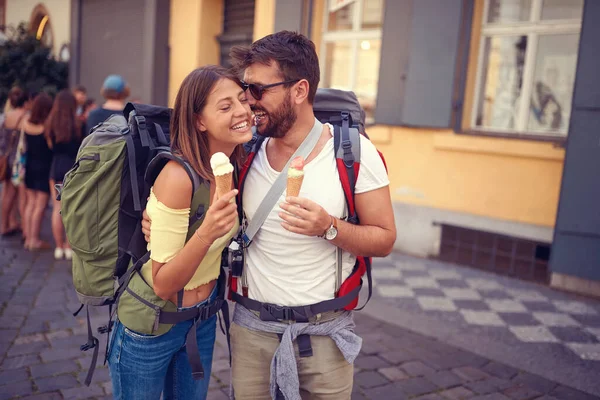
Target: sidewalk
(525,325)
(40,339)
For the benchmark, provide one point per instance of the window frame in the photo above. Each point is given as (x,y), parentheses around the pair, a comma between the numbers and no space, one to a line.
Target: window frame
(532,29)
(2,15)
(354,36)
(37,16)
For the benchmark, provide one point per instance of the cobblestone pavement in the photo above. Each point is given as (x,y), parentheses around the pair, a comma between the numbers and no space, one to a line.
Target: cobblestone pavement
(530,312)
(522,324)
(40,356)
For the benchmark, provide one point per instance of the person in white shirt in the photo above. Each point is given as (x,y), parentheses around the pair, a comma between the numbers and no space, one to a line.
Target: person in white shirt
(289,263)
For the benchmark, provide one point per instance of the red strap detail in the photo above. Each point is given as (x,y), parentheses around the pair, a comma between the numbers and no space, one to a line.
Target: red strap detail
(353,281)
(383,159)
(244,172)
(346,185)
(232,284)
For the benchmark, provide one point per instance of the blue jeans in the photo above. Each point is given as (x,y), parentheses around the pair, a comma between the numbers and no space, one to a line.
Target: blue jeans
(144,366)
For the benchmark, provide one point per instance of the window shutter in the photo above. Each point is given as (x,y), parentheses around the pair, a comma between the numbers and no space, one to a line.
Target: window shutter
(395,49)
(431,68)
(587,85)
(576,246)
(238,27)
(419,62)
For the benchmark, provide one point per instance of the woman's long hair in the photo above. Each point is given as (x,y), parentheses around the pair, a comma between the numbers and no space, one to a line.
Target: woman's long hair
(186,138)
(40,109)
(62,125)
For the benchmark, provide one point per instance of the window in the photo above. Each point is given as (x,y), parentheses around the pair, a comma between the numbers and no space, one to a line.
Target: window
(40,25)
(351,49)
(526,68)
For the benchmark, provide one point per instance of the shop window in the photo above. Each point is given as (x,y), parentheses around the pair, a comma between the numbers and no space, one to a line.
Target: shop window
(351,49)
(526,67)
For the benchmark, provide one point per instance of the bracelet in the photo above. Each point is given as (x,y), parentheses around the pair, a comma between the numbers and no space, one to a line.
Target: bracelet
(202,240)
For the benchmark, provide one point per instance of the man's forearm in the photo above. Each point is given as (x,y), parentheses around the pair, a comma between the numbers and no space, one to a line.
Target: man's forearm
(364,240)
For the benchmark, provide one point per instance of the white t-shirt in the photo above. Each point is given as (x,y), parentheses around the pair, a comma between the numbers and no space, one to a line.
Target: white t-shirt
(289,269)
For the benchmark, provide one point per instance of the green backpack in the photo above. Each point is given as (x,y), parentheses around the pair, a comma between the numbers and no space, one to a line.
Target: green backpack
(102,199)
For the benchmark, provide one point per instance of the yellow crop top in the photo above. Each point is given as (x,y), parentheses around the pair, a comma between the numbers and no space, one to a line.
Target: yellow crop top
(167,236)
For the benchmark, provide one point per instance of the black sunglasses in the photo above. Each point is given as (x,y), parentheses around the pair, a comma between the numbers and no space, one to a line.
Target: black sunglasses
(257,90)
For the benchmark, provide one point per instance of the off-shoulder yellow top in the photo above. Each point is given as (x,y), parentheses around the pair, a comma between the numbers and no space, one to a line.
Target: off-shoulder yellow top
(167,237)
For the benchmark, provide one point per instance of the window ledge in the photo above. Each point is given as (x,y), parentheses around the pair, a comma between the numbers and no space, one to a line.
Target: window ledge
(559,141)
(505,147)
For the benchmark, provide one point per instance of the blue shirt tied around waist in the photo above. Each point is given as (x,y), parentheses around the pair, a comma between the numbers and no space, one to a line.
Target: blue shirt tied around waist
(284,370)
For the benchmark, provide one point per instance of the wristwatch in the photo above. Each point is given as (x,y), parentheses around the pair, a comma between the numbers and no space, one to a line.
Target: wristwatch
(331,232)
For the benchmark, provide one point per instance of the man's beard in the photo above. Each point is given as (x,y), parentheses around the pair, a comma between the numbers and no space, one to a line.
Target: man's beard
(279,122)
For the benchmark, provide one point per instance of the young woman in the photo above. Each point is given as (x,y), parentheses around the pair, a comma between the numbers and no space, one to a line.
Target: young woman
(63,133)
(9,135)
(211,115)
(39,158)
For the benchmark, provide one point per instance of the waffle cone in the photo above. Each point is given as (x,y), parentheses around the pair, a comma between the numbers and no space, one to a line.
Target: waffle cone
(223,183)
(293,185)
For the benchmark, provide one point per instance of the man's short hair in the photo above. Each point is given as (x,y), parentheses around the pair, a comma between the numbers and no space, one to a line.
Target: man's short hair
(80,88)
(293,53)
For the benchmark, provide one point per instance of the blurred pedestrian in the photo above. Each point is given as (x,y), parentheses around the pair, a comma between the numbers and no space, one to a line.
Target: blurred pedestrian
(115,91)
(80,93)
(89,106)
(39,159)
(63,132)
(9,137)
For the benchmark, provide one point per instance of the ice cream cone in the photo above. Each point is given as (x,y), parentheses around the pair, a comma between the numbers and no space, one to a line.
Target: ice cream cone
(223,172)
(294,183)
(223,183)
(295,176)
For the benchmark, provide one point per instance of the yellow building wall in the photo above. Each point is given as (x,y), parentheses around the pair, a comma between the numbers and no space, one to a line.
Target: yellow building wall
(193,31)
(18,11)
(506,179)
(264,18)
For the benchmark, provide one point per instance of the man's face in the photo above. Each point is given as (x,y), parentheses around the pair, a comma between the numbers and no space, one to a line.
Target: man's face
(274,112)
(80,97)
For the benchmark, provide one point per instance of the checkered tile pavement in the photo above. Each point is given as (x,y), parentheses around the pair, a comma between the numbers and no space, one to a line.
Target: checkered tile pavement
(532,313)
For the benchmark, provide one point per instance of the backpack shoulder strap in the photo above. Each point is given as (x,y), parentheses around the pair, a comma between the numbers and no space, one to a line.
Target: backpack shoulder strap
(252,148)
(161,159)
(157,164)
(346,144)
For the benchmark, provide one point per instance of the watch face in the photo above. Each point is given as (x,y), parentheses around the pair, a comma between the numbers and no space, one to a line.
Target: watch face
(331,233)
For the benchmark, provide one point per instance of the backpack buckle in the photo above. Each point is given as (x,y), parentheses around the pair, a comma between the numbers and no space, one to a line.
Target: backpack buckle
(105,328)
(345,115)
(141,122)
(203,313)
(353,219)
(87,346)
(246,240)
(276,313)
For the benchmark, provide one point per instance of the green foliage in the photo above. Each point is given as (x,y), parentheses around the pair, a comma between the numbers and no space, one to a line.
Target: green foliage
(27,63)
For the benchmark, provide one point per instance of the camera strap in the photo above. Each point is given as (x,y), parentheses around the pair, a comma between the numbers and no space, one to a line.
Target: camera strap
(273,195)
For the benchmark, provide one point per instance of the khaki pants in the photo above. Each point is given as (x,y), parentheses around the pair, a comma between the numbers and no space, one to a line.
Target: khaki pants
(326,375)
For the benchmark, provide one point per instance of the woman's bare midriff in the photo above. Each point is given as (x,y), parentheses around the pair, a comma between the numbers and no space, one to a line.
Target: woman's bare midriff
(195,296)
